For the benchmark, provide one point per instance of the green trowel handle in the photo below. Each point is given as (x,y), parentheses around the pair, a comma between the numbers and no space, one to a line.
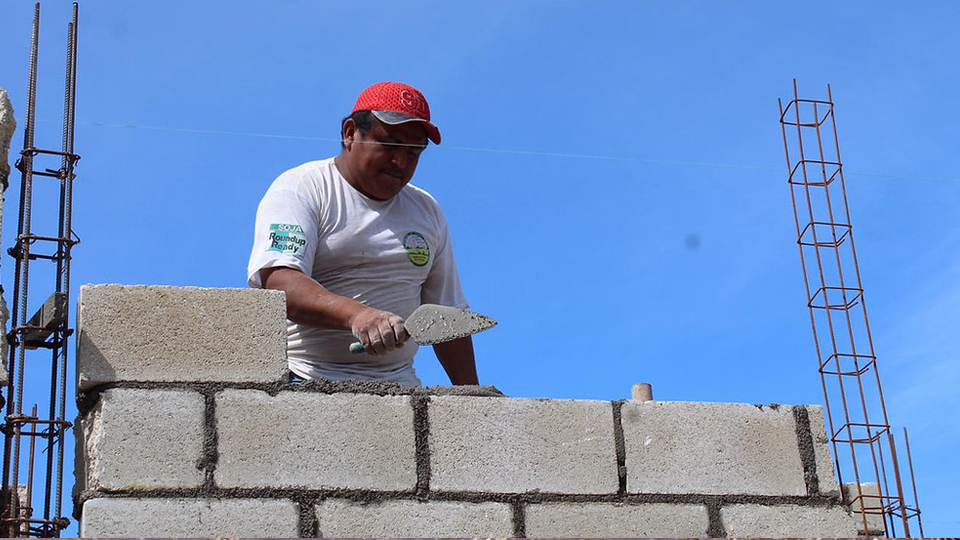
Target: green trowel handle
(356,347)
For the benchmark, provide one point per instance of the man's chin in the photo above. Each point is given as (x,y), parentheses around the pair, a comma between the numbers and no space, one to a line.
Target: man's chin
(394,182)
(388,187)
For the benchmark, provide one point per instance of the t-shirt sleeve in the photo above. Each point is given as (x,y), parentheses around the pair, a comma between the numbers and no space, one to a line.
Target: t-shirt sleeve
(285,233)
(442,285)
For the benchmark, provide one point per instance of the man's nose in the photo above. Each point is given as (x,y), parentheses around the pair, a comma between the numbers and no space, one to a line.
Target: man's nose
(400,157)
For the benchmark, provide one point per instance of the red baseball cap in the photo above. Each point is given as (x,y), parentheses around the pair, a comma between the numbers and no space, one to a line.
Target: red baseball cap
(397,103)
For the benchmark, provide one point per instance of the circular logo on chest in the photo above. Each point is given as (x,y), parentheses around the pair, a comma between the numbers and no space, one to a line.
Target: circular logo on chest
(418,250)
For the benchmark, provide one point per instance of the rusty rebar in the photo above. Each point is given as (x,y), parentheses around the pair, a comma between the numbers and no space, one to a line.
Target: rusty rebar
(54,333)
(913,483)
(844,344)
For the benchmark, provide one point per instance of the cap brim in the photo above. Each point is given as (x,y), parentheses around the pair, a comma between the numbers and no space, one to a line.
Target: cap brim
(393,118)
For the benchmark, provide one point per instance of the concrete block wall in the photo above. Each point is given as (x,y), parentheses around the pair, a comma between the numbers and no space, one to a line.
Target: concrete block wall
(187,428)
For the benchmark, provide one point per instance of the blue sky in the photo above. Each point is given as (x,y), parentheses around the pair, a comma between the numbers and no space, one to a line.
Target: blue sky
(613,174)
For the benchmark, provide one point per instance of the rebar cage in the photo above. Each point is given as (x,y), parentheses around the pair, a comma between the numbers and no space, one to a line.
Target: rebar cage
(26,512)
(847,362)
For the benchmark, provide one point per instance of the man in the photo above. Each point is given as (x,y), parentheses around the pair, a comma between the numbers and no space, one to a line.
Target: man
(357,248)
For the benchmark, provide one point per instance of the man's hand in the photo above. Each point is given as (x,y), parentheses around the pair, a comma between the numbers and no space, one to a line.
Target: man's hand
(379,331)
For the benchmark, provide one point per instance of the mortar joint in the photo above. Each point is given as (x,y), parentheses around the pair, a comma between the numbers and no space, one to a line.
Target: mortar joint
(620,447)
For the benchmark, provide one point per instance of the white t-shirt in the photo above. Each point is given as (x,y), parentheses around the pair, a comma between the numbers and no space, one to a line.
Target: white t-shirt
(391,255)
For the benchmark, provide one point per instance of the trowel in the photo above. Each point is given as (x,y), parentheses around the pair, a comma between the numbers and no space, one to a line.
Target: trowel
(430,324)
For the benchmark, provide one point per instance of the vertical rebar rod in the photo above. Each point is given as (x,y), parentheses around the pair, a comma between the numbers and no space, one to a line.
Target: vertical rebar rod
(913,482)
(885,488)
(896,478)
(33,449)
(23,262)
(51,436)
(66,230)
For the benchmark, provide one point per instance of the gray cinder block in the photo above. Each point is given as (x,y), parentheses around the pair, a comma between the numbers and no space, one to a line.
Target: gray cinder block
(870,507)
(609,520)
(167,334)
(826,476)
(339,518)
(7,126)
(504,445)
(142,439)
(4,351)
(314,441)
(715,448)
(189,518)
(751,520)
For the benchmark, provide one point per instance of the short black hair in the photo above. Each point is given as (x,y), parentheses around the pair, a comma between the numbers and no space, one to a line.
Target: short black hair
(364,120)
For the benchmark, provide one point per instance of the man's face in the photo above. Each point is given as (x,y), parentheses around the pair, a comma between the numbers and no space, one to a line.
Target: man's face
(382,160)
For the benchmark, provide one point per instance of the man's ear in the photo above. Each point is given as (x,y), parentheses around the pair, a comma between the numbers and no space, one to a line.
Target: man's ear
(349,132)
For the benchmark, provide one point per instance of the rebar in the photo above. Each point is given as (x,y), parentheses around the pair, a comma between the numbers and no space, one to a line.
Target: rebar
(913,482)
(40,332)
(846,359)
(64,232)
(25,164)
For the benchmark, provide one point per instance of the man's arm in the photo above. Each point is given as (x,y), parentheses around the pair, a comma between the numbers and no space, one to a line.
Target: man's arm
(456,357)
(311,304)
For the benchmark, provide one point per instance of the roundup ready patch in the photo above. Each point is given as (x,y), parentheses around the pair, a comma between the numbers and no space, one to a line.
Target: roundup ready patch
(286,238)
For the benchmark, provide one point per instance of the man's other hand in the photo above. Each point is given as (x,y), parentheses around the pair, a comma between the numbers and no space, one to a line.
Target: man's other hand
(379,331)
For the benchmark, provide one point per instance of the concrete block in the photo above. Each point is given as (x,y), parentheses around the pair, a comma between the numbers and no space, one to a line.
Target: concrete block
(21,497)
(166,334)
(315,441)
(7,126)
(504,445)
(612,520)
(339,518)
(50,316)
(711,448)
(189,518)
(870,506)
(142,439)
(752,520)
(4,352)
(826,475)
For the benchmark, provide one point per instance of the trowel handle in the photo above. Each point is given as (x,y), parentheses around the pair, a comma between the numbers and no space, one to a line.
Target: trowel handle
(356,347)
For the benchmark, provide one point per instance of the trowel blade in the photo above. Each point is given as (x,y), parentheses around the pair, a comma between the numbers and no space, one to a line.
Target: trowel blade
(430,324)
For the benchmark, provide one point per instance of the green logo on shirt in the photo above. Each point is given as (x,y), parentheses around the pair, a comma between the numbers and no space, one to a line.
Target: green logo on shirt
(286,238)
(418,251)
